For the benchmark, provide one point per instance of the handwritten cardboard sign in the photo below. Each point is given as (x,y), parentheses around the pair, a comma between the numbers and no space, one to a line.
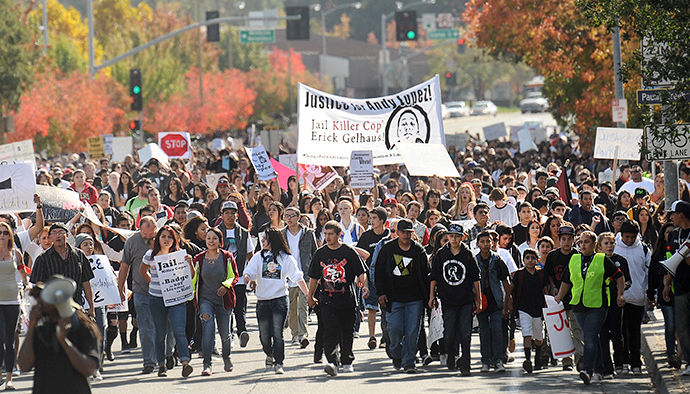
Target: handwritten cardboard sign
(95,147)
(261,162)
(59,205)
(614,143)
(175,278)
(361,169)
(558,329)
(17,188)
(104,282)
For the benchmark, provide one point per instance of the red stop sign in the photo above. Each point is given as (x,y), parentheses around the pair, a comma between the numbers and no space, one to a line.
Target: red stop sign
(174,145)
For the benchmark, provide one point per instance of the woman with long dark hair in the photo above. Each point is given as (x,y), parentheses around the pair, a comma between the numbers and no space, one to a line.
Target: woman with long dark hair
(166,242)
(270,269)
(195,231)
(322,218)
(174,192)
(216,276)
(550,229)
(624,201)
(261,212)
(124,190)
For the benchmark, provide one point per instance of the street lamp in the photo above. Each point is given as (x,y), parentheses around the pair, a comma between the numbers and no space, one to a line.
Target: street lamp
(356,5)
(384,51)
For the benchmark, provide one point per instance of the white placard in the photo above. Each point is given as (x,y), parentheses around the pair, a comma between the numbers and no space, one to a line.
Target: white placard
(459,141)
(122,146)
(361,169)
(427,160)
(559,330)
(261,162)
(620,110)
(175,144)
(108,144)
(623,143)
(289,161)
(331,127)
(526,143)
(435,326)
(175,278)
(212,180)
(153,151)
(318,177)
(104,282)
(124,305)
(495,131)
(17,188)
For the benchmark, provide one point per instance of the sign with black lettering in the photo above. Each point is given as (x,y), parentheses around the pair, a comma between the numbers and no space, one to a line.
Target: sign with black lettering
(104,282)
(361,169)
(175,278)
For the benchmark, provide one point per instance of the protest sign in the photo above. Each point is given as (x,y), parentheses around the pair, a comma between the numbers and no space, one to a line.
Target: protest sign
(614,143)
(124,305)
(95,148)
(435,326)
(152,151)
(418,161)
(331,127)
(459,141)
(261,162)
(361,169)
(558,329)
(283,172)
(104,282)
(108,144)
(175,144)
(18,152)
(212,180)
(494,131)
(17,188)
(316,176)
(122,146)
(289,161)
(526,143)
(59,205)
(175,278)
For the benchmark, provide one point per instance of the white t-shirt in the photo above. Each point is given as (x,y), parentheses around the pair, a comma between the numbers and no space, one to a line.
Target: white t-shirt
(293,244)
(507,215)
(630,186)
(271,274)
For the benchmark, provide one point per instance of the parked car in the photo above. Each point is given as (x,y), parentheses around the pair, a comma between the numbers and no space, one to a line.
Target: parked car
(484,108)
(534,102)
(455,109)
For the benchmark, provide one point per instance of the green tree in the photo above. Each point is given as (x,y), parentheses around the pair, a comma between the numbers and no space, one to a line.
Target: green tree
(17,54)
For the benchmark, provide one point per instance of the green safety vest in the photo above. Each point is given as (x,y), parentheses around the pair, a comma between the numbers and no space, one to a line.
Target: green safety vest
(588,289)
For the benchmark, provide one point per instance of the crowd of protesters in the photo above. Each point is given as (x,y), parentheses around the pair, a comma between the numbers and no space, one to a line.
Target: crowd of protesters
(489,244)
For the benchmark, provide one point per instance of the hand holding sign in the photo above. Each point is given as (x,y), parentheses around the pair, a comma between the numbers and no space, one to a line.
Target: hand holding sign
(261,162)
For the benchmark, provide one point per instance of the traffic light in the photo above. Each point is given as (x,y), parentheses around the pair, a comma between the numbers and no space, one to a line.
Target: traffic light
(461,46)
(135,89)
(134,125)
(406,25)
(212,31)
(451,79)
(298,29)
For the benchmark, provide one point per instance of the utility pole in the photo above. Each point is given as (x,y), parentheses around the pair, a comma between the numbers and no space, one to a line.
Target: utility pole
(201,65)
(92,55)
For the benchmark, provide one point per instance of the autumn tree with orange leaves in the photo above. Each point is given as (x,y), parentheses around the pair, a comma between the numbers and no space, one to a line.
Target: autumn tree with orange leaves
(554,38)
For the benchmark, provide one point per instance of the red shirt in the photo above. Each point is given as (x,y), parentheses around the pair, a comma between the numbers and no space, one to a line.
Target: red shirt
(89,195)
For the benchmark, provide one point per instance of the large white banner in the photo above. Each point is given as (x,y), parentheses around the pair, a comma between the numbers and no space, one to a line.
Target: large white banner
(331,127)
(17,188)
(104,282)
(175,278)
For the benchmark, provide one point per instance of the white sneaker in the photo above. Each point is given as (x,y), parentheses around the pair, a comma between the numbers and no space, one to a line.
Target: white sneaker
(331,369)
(278,368)
(348,368)
(96,376)
(637,371)
(500,367)
(686,372)
(596,378)
(485,368)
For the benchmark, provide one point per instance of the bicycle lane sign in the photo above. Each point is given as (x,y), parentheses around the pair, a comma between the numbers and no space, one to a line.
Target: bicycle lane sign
(670,143)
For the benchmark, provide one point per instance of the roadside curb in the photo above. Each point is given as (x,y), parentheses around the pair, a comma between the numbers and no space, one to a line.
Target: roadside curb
(665,379)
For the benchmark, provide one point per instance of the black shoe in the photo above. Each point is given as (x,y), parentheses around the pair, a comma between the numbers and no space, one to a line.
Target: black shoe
(109,354)
(397,363)
(147,369)
(527,366)
(410,369)
(170,362)
(585,377)
(426,359)
(133,339)
(318,357)
(162,372)
(465,372)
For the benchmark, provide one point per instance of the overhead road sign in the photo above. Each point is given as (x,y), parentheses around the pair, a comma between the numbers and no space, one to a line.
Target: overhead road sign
(257,36)
(443,34)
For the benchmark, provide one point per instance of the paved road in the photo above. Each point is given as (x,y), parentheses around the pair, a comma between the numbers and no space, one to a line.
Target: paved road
(373,373)
(474,124)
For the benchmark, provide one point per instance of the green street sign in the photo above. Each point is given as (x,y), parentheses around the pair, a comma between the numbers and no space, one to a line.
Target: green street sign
(443,34)
(257,36)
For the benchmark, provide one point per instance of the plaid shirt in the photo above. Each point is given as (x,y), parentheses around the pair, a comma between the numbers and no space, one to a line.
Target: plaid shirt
(473,232)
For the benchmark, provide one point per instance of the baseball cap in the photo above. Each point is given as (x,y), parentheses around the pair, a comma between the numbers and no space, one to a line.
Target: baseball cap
(405,225)
(229,205)
(680,206)
(641,192)
(476,181)
(566,230)
(550,190)
(390,201)
(223,181)
(455,228)
(551,181)
(57,226)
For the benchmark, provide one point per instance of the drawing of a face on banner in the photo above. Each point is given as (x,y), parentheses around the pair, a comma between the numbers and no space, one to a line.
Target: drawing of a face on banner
(407,124)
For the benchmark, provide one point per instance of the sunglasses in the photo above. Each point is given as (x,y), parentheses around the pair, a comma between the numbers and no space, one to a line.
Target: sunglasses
(5,232)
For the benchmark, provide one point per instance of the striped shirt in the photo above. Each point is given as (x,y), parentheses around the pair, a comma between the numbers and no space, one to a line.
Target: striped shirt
(76,266)
(155,284)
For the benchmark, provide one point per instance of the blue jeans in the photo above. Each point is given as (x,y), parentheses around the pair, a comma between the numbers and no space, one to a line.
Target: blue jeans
(222,318)
(101,322)
(271,315)
(147,331)
(178,317)
(491,336)
(669,329)
(682,309)
(591,322)
(404,322)
(457,332)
